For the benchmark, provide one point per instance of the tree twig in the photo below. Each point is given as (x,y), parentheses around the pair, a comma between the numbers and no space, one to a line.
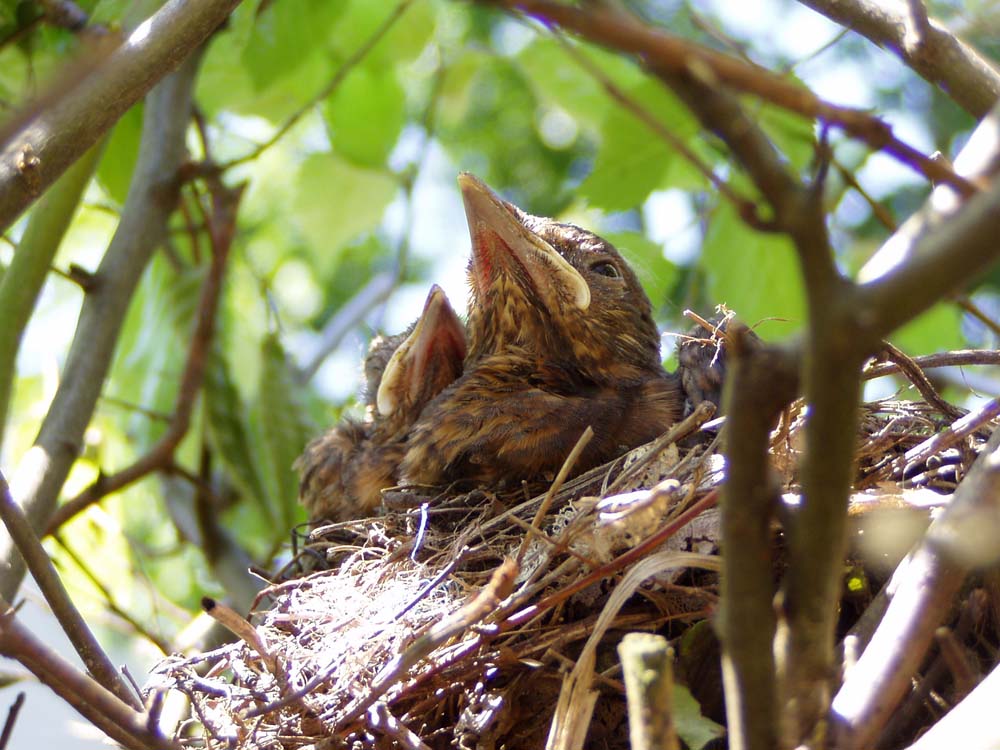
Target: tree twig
(960,358)
(666,52)
(8,725)
(222,228)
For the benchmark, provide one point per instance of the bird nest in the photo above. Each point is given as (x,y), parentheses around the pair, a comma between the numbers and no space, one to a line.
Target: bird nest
(478,620)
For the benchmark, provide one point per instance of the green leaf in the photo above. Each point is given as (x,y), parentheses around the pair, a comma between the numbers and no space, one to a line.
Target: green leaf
(229,434)
(657,274)
(793,134)
(633,159)
(336,202)
(118,161)
(153,347)
(753,273)
(696,730)
(403,42)
(285,36)
(286,427)
(560,80)
(365,115)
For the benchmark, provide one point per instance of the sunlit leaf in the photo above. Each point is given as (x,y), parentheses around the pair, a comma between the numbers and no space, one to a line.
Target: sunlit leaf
(632,158)
(696,730)
(400,44)
(558,78)
(755,274)
(336,201)
(793,134)
(365,115)
(285,35)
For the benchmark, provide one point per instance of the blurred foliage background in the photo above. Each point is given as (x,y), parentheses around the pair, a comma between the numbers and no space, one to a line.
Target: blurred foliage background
(348,120)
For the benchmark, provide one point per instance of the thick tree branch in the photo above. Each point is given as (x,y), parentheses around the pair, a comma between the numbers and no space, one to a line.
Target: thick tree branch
(942,59)
(151,199)
(759,386)
(43,145)
(947,257)
(23,280)
(941,247)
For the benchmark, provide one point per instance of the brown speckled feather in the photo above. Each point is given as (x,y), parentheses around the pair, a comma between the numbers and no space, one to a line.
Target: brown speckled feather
(561,336)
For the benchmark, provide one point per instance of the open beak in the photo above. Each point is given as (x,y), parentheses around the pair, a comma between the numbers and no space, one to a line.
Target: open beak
(500,239)
(434,349)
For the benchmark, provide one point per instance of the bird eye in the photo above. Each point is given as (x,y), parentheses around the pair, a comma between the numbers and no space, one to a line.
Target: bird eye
(606,269)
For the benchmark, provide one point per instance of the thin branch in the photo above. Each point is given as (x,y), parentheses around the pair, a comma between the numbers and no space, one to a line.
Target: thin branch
(939,57)
(970,307)
(44,143)
(72,624)
(338,78)
(938,262)
(669,53)
(112,605)
(8,725)
(920,381)
(105,711)
(943,246)
(960,358)
(222,229)
(151,199)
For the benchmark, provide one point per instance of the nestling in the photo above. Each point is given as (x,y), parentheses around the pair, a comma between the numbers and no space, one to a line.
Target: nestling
(561,336)
(344,470)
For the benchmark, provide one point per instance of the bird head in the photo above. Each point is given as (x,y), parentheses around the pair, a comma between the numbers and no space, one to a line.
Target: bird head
(427,360)
(553,289)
